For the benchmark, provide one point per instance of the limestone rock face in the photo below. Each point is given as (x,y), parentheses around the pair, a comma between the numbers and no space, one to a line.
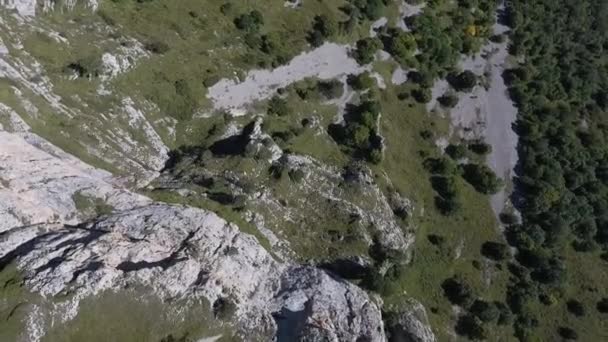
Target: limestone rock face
(313,305)
(38,183)
(74,231)
(410,324)
(180,251)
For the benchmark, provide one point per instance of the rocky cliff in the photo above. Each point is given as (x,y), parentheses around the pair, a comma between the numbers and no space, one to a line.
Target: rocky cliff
(93,202)
(178,251)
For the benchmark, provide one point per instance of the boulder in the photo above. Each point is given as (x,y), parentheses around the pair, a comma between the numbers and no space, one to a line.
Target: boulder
(409,324)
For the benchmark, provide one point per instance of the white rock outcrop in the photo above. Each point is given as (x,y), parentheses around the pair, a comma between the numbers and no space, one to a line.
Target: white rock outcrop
(410,324)
(38,183)
(178,251)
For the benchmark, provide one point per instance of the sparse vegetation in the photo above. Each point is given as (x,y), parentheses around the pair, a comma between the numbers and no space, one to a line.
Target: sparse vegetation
(561,238)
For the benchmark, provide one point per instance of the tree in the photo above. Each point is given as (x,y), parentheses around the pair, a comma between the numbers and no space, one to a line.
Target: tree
(567,333)
(602,305)
(482,178)
(480,147)
(508,218)
(456,151)
(448,205)
(465,81)
(445,186)
(495,250)
(362,81)
(442,166)
(448,100)
(401,45)
(274,44)
(486,312)
(357,135)
(278,106)
(374,155)
(331,89)
(526,237)
(471,327)
(458,292)
(422,95)
(424,79)
(575,307)
(366,50)
(249,22)
(369,9)
(506,316)
(325,25)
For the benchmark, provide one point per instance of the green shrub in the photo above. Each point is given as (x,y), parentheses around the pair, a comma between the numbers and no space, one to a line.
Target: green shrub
(482,178)
(423,79)
(278,106)
(480,147)
(448,100)
(485,311)
(465,81)
(456,152)
(506,316)
(374,156)
(369,9)
(567,333)
(445,186)
(422,95)
(331,89)
(362,81)
(357,135)
(602,305)
(471,327)
(575,307)
(458,291)
(323,27)
(366,50)
(508,218)
(448,206)
(495,250)
(249,22)
(401,45)
(442,166)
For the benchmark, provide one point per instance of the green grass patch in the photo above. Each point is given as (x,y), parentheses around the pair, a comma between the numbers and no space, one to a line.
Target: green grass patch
(131,315)
(463,233)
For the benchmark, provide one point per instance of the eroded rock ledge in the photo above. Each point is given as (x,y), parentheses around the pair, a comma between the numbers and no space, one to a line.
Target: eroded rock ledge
(181,251)
(178,251)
